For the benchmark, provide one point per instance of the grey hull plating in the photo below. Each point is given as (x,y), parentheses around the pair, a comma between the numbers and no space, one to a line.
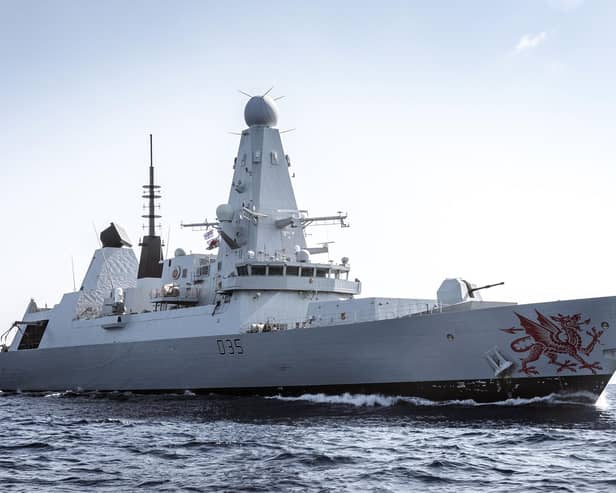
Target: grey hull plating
(439,356)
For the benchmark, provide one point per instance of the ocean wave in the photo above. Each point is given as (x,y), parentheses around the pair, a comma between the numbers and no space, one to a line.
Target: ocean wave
(26,445)
(379,400)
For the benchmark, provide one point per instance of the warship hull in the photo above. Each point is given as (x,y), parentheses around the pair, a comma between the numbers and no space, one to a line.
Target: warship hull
(263,316)
(485,355)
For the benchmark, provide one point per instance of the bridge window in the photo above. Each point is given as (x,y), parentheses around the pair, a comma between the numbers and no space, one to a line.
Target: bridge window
(275,270)
(258,270)
(33,335)
(242,270)
(292,270)
(321,272)
(307,271)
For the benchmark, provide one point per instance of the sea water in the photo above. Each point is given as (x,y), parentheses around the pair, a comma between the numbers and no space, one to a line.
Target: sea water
(124,442)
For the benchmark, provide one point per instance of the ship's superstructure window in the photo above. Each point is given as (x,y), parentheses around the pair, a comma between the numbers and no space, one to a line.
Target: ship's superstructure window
(184,273)
(203,271)
(290,270)
(33,335)
(307,271)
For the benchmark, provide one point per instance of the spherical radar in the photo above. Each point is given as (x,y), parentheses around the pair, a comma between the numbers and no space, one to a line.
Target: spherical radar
(261,110)
(224,213)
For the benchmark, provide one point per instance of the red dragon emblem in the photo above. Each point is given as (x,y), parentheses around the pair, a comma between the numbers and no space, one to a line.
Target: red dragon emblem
(553,336)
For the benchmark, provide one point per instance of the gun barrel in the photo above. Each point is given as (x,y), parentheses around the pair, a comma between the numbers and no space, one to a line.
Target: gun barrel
(487,286)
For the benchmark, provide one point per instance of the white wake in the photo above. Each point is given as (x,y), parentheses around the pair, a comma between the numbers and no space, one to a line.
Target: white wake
(374,400)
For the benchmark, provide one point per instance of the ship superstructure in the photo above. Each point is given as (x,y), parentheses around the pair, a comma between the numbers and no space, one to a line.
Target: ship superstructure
(261,311)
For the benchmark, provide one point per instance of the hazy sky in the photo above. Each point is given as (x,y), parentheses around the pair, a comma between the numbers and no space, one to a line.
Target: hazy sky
(472,139)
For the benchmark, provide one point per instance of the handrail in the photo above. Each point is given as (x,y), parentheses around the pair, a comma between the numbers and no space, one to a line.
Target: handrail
(176,292)
(274,323)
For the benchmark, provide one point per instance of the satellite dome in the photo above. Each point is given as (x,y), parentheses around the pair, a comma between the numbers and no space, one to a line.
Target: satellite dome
(224,213)
(261,110)
(303,256)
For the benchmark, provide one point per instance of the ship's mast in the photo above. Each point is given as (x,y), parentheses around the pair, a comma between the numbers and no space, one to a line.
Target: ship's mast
(151,251)
(151,196)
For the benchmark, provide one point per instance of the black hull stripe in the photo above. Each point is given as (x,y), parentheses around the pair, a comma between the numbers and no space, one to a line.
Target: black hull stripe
(494,390)
(477,390)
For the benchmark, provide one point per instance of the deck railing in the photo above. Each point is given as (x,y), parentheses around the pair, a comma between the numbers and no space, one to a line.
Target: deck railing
(273,324)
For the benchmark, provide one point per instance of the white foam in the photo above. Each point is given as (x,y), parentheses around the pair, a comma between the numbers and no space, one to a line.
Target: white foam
(55,394)
(358,400)
(602,402)
(371,400)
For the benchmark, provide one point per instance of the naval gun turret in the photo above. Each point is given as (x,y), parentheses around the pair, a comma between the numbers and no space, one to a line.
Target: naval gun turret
(457,290)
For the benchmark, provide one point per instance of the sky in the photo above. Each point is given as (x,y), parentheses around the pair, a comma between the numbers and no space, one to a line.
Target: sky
(464,139)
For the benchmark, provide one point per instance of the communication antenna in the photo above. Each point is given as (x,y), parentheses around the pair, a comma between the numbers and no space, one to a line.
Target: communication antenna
(73,269)
(264,94)
(167,245)
(151,245)
(151,193)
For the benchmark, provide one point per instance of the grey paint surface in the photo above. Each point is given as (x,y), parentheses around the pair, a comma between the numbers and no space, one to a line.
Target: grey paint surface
(417,348)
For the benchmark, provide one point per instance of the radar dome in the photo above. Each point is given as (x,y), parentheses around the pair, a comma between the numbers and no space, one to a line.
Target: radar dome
(303,256)
(261,110)
(224,213)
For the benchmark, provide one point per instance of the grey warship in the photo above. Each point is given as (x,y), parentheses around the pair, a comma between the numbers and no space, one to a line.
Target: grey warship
(260,312)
